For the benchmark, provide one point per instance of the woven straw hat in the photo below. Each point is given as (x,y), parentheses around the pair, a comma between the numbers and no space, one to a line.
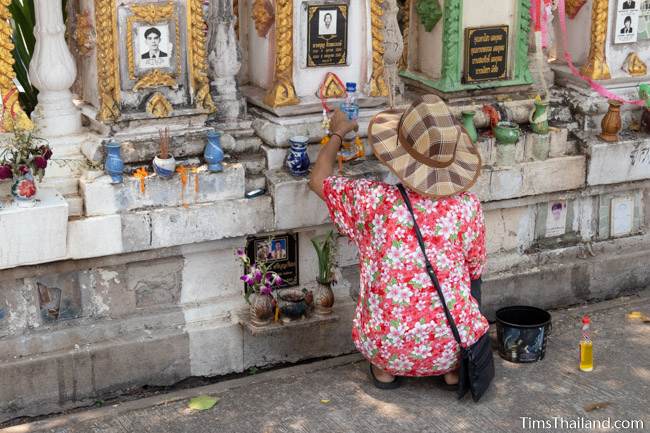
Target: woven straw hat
(426,148)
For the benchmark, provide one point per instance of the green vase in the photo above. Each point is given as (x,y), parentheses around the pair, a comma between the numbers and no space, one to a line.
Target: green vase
(539,118)
(506,132)
(468,123)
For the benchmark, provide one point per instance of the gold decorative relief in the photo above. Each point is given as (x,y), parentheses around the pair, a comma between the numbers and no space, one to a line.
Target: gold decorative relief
(572,7)
(159,106)
(13,115)
(282,91)
(634,66)
(84,33)
(332,87)
(107,70)
(406,17)
(155,78)
(197,54)
(378,85)
(263,16)
(152,13)
(596,67)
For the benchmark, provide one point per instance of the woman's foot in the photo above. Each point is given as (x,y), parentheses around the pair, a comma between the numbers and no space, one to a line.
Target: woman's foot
(451,378)
(383,380)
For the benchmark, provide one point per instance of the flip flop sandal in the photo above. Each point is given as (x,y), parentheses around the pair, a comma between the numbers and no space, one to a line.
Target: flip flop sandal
(395,383)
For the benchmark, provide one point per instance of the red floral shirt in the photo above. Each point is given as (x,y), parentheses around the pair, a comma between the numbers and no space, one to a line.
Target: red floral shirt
(399,322)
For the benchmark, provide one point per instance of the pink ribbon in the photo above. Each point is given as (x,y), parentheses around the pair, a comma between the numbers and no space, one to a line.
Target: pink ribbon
(601,90)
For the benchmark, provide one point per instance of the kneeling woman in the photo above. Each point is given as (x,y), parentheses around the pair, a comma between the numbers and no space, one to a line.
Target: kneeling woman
(400,324)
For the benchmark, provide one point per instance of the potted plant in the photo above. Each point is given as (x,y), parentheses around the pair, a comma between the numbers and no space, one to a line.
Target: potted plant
(23,158)
(323,295)
(259,285)
(164,164)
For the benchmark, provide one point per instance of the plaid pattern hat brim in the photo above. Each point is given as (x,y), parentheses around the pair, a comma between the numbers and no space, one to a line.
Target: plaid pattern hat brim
(426,148)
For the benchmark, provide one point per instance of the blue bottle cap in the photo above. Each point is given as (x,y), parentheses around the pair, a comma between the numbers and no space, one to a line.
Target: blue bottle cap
(351,87)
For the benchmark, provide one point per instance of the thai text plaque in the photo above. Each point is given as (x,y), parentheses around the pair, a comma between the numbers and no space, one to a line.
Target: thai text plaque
(327,35)
(486,54)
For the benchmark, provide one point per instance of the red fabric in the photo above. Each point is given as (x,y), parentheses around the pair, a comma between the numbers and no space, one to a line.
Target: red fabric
(399,322)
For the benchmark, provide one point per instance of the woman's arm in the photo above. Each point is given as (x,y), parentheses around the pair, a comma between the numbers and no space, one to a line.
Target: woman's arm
(339,125)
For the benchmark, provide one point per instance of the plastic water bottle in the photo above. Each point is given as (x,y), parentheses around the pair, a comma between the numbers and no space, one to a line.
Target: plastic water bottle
(351,104)
(586,347)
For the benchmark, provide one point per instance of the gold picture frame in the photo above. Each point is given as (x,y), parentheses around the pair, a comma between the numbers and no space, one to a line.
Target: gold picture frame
(153,14)
(108,54)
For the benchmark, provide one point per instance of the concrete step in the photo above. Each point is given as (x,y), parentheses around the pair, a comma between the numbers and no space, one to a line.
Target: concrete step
(241,145)
(63,185)
(75,205)
(254,163)
(255,182)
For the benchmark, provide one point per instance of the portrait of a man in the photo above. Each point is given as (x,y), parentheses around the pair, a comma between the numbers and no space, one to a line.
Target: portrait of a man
(279,249)
(327,22)
(152,39)
(154,47)
(627,26)
(629,4)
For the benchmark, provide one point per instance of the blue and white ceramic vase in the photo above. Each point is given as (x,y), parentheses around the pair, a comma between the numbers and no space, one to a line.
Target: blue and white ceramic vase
(297,159)
(114,165)
(213,153)
(164,168)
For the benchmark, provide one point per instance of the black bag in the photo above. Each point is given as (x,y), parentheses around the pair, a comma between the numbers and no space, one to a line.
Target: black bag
(477,363)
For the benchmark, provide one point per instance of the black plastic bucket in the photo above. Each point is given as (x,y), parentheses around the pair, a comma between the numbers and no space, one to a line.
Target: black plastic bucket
(522,332)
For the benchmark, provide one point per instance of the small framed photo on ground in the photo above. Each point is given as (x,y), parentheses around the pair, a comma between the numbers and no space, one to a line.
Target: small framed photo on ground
(622,216)
(279,251)
(556,218)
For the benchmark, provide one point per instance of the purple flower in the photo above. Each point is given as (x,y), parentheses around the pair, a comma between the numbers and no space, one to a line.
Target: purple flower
(266,290)
(23,169)
(46,152)
(248,279)
(278,280)
(5,172)
(40,162)
(257,274)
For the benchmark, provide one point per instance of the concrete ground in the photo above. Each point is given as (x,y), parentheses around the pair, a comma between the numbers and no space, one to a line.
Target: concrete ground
(336,396)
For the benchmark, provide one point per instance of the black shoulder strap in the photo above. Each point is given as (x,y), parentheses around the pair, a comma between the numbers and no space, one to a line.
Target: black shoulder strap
(430,271)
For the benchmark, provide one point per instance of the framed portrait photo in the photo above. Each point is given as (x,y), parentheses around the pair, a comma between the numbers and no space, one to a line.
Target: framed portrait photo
(280,253)
(153,44)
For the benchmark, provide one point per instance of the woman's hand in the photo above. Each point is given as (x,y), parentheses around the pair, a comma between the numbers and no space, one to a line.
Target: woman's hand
(341,125)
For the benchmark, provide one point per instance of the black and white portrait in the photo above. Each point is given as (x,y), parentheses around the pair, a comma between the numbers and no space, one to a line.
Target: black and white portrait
(327,22)
(626,27)
(628,4)
(155,48)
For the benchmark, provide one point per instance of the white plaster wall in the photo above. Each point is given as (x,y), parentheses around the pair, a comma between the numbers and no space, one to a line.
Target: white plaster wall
(616,53)
(307,80)
(578,35)
(429,48)
(260,59)
(490,13)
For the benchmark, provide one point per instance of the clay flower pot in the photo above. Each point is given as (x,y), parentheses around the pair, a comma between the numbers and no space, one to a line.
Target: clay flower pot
(611,123)
(506,132)
(323,299)
(261,309)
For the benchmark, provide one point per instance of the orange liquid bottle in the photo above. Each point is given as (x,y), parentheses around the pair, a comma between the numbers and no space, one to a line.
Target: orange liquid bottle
(586,347)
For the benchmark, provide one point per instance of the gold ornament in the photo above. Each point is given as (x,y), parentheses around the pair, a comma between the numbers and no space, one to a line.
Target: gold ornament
(282,91)
(634,66)
(198,57)
(159,106)
(331,87)
(107,71)
(572,7)
(378,85)
(13,115)
(406,17)
(596,67)
(155,78)
(152,12)
(83,34)
(263,16)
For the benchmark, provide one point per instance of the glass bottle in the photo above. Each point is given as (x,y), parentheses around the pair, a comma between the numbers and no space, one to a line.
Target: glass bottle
(586,347)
